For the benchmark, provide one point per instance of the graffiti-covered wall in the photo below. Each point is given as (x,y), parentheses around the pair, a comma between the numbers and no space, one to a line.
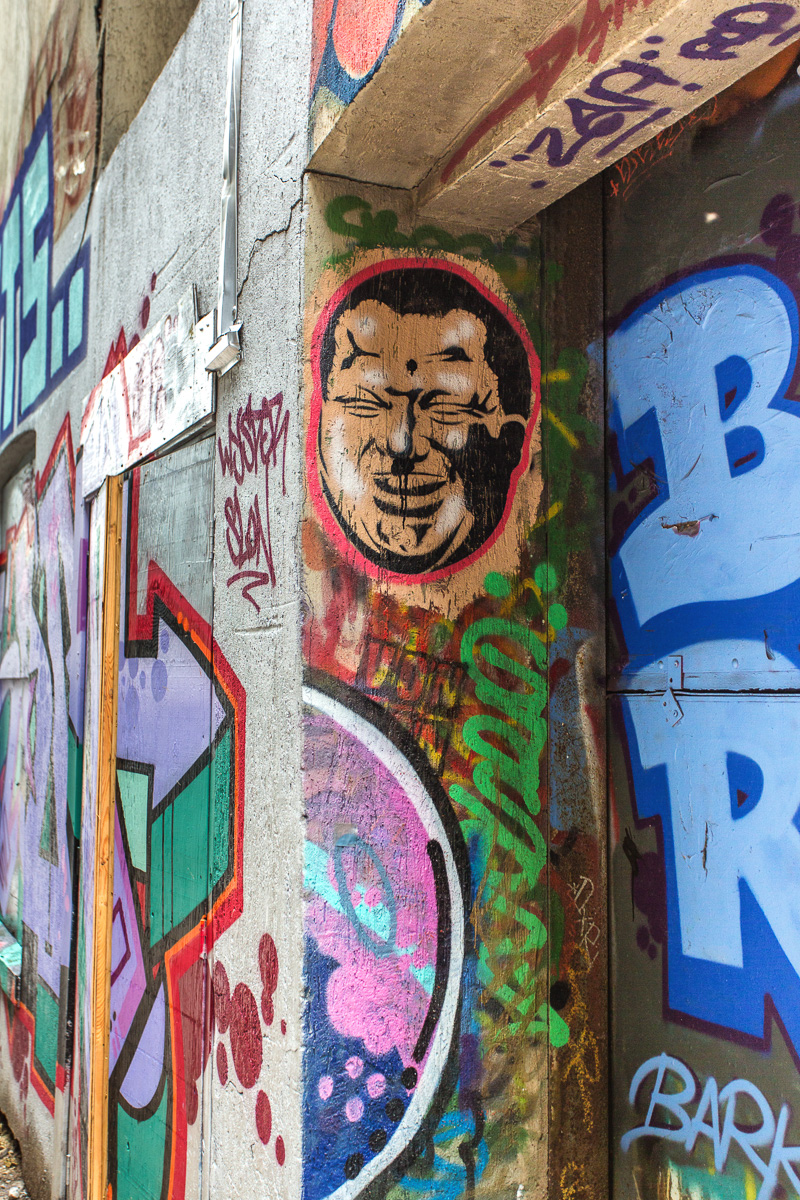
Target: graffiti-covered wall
(142,858)
(304,800)
(452,903)
(702,390)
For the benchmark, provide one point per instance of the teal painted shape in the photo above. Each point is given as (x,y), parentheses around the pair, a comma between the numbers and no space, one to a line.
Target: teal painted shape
(184,866)
(57,337)
(141,1152)
(11,257)
(10,963)
(46,1037)
(35,275)
(156,881)
(169,871)
(75,781)
(75,312)
(317,878)
(190,848)
(699,1181)
(133,792)
(221,801)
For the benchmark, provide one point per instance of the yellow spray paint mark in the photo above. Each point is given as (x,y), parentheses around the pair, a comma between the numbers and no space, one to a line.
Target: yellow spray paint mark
(560,376)
(552,511)
(533,586)
(750,1188)
(561,427)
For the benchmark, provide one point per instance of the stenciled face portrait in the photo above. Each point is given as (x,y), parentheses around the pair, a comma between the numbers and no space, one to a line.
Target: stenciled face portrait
(426,402)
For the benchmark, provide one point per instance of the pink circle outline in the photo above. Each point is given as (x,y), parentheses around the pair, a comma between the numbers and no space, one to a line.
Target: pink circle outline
(329,523)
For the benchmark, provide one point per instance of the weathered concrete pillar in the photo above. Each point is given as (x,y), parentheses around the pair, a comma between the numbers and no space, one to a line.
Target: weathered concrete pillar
(453,904)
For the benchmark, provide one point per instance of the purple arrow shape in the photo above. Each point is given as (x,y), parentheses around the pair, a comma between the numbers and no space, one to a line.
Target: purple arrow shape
(169,712)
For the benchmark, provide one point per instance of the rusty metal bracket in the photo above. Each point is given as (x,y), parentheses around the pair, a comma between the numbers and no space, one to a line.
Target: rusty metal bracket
(673,713)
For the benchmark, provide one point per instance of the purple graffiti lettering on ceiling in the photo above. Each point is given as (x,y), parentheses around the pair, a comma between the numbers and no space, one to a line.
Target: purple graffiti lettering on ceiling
(608,114)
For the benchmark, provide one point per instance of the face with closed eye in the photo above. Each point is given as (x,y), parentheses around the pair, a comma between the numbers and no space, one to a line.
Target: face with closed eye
(409,407)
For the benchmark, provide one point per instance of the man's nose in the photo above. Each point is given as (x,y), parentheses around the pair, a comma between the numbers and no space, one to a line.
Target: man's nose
(400,432)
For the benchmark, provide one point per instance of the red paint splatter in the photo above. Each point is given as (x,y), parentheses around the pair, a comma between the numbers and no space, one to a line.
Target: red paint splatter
(222,1063)
(283,1028)
(194,994)
(245,1035)
(145,313)
(222,997)
(19,1048)
(268,965)
(280,1151)
(153,279)
(23,1087)
(263,1117)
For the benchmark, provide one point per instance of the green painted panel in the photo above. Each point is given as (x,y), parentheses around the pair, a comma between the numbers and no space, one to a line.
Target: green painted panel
(141,1148)
(133,791)
(46,1038)
(157,881)
(75,780)
(169,871)
(190,847)
(221,800)
(179,844)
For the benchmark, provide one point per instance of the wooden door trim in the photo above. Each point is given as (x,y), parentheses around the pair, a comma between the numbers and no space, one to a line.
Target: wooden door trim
(97,1174)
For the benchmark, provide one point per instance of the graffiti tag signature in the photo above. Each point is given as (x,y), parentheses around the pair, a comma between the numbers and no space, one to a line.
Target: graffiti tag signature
(252,444)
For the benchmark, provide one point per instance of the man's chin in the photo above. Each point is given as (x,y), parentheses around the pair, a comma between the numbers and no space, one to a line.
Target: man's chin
(407,553)
(402,548)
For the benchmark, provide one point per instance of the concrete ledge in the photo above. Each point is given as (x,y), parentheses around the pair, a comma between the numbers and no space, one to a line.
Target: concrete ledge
(490,111)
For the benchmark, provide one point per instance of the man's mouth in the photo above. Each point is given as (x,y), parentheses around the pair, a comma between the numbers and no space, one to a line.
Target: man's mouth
(407,495)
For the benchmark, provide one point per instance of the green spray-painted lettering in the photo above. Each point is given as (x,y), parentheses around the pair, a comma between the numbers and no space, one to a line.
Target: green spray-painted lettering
(509,744)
